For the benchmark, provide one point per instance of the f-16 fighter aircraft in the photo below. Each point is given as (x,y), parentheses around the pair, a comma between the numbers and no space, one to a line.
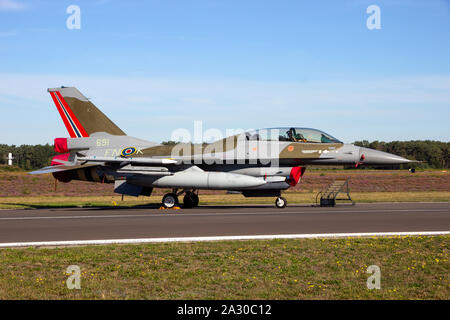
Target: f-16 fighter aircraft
(259,163)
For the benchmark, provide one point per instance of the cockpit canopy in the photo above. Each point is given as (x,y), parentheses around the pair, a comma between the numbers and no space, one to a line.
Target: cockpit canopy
(291,134)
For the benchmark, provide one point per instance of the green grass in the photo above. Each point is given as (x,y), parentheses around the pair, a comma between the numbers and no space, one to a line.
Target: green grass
(411,268)
(25,202)
(5,168)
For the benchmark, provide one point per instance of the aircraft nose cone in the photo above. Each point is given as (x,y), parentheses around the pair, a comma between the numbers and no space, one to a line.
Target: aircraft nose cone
(375,157)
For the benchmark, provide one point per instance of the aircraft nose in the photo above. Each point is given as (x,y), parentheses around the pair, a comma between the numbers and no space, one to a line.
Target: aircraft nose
(375,157)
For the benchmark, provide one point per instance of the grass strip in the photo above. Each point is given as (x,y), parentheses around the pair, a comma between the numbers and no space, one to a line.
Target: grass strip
(411,268)
(213,199)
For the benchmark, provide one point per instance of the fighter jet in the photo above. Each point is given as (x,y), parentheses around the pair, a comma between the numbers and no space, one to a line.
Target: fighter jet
(259,163)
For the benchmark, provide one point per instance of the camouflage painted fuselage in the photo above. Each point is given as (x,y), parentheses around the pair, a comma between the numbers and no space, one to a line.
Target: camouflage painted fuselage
(258,163)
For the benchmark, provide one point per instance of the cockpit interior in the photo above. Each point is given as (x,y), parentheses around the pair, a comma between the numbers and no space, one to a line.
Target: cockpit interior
(306,135)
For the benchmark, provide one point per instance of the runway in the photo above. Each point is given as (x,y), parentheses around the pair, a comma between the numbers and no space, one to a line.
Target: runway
(75,224)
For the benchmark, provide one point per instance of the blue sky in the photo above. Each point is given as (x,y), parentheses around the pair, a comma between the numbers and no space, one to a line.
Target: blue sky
(155,66)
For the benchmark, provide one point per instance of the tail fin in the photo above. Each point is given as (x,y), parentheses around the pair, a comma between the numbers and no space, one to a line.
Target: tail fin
(80,116)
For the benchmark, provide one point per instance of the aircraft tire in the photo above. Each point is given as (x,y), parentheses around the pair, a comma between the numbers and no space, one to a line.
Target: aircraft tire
(170,200)
(280,202)
(195,199)
(188,200)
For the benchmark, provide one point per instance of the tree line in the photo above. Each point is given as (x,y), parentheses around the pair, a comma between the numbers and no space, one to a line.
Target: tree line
(28,157)
(432,154)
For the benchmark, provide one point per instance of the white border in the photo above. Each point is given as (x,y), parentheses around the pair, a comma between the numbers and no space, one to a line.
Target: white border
(219,238)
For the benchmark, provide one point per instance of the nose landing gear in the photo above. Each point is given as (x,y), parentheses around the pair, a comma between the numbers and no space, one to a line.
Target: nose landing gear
(280,202)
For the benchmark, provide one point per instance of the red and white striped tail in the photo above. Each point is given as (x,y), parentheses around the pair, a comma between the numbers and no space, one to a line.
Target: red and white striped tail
(71,122)
(80,116)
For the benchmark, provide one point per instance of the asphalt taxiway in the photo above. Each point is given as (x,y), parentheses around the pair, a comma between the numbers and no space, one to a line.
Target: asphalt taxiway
(76,224)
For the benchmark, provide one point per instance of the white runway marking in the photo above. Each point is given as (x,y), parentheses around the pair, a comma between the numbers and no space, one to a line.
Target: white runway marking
(153,215)
(220,238)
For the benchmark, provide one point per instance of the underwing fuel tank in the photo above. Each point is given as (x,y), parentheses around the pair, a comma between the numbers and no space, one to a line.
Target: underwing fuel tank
(199,179)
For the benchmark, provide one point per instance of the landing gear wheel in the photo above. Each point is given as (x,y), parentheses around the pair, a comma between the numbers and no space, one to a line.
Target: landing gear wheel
(190,200)
(195,199)
(280,202)
(170,200)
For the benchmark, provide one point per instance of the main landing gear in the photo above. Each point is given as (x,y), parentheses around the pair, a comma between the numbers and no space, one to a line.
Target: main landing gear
(190,199)
(170,200)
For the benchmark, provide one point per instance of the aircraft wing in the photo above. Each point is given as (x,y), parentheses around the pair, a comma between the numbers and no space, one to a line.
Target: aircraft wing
(59,168)
(85,162)
(128,160)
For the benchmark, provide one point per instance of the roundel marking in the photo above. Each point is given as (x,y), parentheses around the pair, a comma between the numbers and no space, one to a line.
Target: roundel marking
(290,148)
(128,152)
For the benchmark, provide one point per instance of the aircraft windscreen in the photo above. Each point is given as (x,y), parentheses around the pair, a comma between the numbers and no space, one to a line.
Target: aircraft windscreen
(292,134)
